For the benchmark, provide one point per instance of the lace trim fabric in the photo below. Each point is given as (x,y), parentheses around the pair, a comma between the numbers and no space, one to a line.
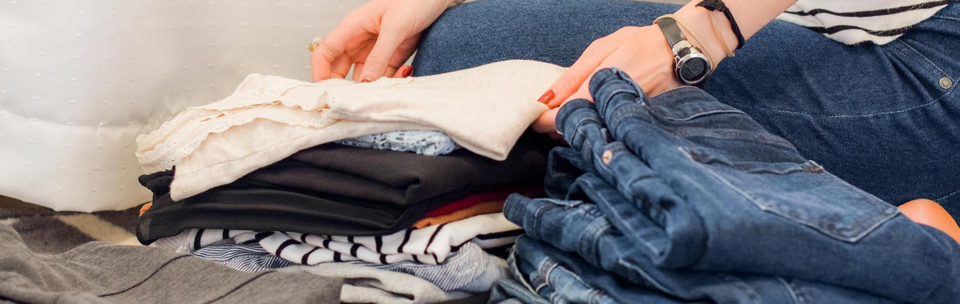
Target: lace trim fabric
(273,98)
(431,143)
(169,152)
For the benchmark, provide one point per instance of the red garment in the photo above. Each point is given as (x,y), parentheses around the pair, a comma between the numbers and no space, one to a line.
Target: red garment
(468,201)
(476,198)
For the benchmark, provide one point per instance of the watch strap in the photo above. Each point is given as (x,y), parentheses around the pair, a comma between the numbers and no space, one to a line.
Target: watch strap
(671,31)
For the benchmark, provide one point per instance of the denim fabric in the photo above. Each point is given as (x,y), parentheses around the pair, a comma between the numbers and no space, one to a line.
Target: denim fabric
(509,291)
(469,269)
(562,277)
(876,116)
(580,227)
(697,184)
(421,142)
(554,282)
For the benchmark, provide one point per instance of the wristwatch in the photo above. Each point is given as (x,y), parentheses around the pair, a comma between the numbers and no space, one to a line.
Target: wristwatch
(690,64)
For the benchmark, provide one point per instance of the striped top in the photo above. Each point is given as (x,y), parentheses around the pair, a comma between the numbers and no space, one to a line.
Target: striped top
(858,21)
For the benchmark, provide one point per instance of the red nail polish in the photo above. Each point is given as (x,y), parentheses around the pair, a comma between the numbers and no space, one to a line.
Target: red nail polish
(546,96)
(407,71)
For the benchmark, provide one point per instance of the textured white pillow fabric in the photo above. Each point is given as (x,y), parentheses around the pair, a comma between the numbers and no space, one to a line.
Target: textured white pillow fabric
(79,80)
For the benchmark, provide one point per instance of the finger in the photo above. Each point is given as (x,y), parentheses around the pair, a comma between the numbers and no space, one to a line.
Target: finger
(403,71)
(326,53)
(391,72)
(391,35)
(334,44)
(578,73)
(582,92)
(340,67)
(546,123)
(319,66)
(612,60)
(356,71)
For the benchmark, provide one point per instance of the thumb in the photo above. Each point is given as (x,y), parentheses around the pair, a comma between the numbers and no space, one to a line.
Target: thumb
(390,38)
(578,73)
(546,123)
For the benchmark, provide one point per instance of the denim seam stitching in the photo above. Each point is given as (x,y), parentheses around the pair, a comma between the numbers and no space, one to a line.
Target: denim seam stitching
(644,274)
(948,195)
(740,284)
(594,292)
(536,221)
(851,239)
(945,18)
(914,50)
(793,293)
(933,102)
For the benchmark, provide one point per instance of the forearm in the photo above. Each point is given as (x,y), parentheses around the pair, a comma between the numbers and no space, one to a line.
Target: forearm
(751,16)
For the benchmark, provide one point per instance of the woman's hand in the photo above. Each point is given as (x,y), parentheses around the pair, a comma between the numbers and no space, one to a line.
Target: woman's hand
(378,37)
(641,52)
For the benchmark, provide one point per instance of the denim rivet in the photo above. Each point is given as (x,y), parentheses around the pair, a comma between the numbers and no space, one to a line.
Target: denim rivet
(606,157)
(946,82)
(815,168)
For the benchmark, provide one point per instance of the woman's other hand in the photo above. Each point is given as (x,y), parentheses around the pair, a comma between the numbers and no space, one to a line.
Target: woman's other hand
(641,52)
(377,37)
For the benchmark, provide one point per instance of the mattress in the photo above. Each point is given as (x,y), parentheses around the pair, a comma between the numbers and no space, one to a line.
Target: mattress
(79,80)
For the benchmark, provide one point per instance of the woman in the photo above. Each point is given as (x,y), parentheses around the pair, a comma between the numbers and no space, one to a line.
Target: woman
(866,87)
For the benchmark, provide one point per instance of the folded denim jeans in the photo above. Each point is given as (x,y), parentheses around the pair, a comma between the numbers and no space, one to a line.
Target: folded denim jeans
(580,227)
(699,185)
(549,270)
(509,291)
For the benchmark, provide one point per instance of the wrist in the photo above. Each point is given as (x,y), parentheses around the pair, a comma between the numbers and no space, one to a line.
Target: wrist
(698,20)
(664,57)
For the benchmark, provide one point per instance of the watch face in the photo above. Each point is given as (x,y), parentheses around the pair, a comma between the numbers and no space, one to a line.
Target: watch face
(693,70)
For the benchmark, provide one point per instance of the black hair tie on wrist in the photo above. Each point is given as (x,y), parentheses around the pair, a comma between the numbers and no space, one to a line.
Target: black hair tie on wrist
(717,5)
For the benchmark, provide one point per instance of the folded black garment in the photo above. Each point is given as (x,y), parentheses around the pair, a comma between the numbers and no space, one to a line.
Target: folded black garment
(251,205)
(394,177)
(331,196)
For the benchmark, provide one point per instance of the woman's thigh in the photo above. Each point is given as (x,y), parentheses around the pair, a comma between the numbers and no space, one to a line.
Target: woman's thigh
(555,31)
(885,118)
(877,116)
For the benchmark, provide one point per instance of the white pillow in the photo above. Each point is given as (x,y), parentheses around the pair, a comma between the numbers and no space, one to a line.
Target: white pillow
(79,80)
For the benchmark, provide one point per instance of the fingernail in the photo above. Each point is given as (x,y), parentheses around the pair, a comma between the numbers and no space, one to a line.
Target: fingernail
(546,96)
(407,71)
(366,79)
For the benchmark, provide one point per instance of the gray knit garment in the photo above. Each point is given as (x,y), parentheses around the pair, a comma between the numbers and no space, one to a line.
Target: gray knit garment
(98,272)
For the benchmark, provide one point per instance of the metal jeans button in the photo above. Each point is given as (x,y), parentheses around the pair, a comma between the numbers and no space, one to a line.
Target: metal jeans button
(606,157)
(946,82)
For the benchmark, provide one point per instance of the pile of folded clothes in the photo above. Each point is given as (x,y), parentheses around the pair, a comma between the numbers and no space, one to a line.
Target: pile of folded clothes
(682,199)
(360,181)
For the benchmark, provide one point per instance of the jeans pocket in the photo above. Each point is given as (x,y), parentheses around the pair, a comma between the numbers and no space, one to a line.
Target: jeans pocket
(688,103)
(920,67)
(803,193)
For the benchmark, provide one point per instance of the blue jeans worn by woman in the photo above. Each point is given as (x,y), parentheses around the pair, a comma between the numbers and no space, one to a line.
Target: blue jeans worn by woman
(884,118)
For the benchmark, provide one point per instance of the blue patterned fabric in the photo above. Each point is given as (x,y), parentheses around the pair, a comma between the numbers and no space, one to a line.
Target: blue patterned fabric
(421,142)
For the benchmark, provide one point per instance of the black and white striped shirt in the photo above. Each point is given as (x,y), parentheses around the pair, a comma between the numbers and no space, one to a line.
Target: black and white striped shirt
(857,21)
(428,245)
